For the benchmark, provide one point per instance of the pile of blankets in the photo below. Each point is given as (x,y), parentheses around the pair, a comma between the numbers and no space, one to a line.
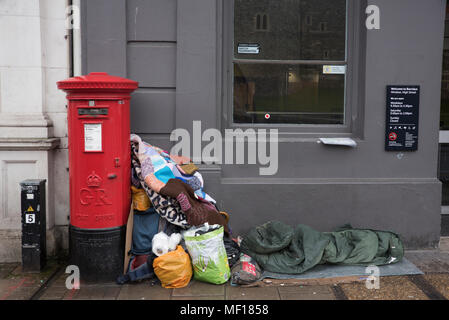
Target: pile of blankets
(176,195)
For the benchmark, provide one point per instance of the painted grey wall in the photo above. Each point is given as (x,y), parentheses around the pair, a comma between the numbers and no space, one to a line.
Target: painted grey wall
(176,49)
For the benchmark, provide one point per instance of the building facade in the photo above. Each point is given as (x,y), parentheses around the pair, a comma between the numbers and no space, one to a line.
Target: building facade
(310,69)
(34,54)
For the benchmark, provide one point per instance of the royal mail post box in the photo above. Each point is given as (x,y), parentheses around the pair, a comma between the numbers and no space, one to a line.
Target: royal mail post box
(99,170)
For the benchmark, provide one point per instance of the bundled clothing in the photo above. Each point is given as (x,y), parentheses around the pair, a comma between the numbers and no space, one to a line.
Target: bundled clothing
(168,197)
(157,167)
(196,209)
(175,195)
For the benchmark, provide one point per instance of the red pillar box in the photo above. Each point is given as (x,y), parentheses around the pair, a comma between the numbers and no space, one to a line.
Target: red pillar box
(100,171)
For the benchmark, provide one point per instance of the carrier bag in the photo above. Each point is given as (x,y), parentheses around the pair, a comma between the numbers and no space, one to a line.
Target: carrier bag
(206,248)
(245,271)
(232,250)
(173,269)
(141,202)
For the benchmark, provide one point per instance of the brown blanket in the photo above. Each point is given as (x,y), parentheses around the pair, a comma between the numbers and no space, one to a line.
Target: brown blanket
(197,210)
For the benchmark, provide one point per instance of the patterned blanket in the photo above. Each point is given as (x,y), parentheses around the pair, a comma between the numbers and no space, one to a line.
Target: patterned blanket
(152,169)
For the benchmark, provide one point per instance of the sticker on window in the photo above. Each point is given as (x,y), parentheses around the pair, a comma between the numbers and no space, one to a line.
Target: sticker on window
(92,137)
(246,48)
(334,69)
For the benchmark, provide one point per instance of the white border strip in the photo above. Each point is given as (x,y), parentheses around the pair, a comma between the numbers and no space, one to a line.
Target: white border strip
(444,136)
(77,44)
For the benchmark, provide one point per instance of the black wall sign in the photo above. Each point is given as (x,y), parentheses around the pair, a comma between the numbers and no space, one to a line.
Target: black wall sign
(401,131)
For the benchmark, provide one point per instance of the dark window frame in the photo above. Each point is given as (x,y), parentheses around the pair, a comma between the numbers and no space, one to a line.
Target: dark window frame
(309,20)
(265,22)
(323,26)
(261,22)
(258,19)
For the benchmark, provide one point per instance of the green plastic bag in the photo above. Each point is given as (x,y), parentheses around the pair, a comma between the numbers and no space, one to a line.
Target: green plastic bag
(207,251)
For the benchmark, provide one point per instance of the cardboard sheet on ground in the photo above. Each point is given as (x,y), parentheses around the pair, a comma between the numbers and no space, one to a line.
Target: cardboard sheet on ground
(405,267)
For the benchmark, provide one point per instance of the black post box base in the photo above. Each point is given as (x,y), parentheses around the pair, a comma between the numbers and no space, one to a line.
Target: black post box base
(98,253)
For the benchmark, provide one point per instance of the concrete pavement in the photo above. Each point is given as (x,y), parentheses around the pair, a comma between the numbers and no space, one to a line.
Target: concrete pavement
(50,285)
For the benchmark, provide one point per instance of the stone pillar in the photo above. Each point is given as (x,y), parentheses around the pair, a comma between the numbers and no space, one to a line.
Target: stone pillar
(33,128)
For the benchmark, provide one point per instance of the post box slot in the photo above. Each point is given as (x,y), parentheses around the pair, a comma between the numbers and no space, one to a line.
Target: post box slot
(93,112)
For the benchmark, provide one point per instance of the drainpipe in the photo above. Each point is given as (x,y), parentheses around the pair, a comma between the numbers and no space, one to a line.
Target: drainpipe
(76,40)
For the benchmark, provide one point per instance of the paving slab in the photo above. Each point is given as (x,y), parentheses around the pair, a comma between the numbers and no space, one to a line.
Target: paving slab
(440,282)
(143,291)
(93,293)
(18,288)
(111,293)
(390,288)
(6,269)
(56,289)
(19,285)
(60,280)
(306,293)
(198,288)
(194,298)
(430,261)
(240,293)
(54,293)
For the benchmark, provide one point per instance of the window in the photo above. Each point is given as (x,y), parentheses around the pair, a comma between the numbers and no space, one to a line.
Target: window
(309,20)
(323,26)
(261,22)
(289,74)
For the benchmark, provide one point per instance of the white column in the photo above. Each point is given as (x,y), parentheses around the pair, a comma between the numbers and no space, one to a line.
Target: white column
(33,126)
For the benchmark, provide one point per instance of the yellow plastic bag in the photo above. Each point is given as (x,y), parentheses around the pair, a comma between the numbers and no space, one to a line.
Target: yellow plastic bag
(141,201)
(174,269)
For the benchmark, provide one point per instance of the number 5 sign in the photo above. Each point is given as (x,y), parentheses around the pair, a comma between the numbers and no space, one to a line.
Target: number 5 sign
(30,218)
